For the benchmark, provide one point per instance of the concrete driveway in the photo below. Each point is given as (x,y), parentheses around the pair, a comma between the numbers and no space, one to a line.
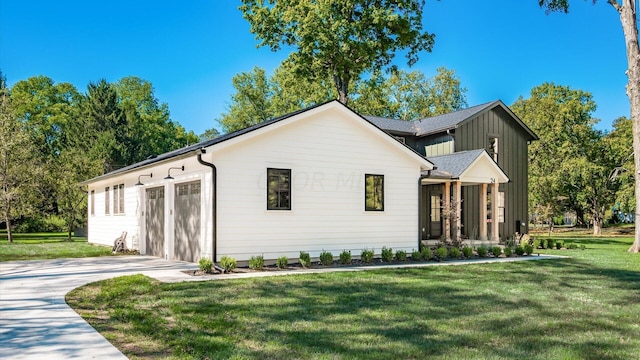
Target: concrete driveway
(35,321)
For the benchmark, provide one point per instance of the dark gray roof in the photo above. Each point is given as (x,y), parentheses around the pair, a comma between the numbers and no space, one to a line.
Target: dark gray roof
(393,125)
(456,163)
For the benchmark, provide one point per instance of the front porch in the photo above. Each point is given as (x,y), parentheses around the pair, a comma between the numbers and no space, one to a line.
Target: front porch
(441,199)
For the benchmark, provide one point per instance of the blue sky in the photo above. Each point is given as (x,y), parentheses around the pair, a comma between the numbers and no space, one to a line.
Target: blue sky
(190,50)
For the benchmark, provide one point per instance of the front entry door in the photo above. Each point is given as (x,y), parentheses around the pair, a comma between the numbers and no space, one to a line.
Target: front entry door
(435,215)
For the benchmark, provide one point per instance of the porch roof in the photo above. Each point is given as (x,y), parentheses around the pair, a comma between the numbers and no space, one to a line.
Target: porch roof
(472,167)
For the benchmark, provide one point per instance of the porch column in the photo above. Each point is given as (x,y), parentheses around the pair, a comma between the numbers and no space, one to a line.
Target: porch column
(457,204)
(495,236)
(446,205)
(483,212)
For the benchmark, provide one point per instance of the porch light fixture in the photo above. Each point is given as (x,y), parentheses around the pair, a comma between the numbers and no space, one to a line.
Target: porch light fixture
(139,183)
(169,177)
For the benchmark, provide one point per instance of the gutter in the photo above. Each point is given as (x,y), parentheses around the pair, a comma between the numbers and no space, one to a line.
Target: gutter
(214,207)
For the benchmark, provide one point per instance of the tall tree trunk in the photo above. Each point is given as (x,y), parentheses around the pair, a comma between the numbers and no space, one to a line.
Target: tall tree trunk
(8,221)
(627,13)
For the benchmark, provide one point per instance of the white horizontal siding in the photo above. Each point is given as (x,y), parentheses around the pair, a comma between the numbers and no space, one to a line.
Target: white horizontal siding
(329,155)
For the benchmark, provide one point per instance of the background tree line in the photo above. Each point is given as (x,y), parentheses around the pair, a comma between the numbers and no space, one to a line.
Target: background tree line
(54,137)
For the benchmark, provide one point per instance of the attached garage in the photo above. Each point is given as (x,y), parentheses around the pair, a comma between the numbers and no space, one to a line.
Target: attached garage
(186,241)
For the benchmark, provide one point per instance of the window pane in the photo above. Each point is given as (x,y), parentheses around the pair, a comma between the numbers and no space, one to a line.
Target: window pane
(121,197)
(278,189)
(374,192)
(93,202)
(106,201)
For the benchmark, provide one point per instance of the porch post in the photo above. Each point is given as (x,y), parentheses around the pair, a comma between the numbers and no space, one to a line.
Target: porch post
(446,205)
(495,236)
(457,196)
(483,212)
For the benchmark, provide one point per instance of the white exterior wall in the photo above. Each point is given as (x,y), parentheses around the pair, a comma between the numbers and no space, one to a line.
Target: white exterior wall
(329,155)
(104,229)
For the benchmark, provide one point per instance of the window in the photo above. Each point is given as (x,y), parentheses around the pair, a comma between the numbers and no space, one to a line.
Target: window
(118,199)
(93,202)
(501,206)
(493,147)
(401,139)
(106,201)
(435,208)
(278,189)
(373,192)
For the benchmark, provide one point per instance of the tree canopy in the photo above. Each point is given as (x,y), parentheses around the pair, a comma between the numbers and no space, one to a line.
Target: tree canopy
(340,39)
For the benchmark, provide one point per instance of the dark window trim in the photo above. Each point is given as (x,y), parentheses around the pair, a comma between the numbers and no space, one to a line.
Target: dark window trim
(269,207)
(367,208)
(93,202)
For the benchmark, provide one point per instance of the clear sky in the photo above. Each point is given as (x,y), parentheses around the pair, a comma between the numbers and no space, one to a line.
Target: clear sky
(190,50)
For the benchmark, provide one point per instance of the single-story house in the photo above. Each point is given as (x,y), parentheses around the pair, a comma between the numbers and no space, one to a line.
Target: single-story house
(322,178)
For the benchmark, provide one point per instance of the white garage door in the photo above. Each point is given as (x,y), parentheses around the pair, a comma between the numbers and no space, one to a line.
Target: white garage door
(154,221)
(187,222)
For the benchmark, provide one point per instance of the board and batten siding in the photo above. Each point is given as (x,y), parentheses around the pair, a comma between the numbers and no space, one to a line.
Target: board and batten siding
(512,159)
(329,154)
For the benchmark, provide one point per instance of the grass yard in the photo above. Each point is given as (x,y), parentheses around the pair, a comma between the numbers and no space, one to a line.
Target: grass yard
(587,307)
(39,246)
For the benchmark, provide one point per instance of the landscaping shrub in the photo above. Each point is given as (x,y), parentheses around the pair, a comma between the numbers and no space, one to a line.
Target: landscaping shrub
(482,251)
(426,253)
(441,253)
(51,223)
(205,265)
(366,256)
(345,257)
(401,255)
(526,239)
(282,262)
(559,244)
(528,249)
(551,243)
(305,259)
(326,258)
(496,251)
(454,253)
(467,251)
(228,263)
(416,255)
(572,246)
(520,250)
(536,243)
(508,251)
(583,247)
(256,262)
(387,254)
(543,244)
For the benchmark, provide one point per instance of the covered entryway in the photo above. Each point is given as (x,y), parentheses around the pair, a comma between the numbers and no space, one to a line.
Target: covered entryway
(186,243)
(154,221)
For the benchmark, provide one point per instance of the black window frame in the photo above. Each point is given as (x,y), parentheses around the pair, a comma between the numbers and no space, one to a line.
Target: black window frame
(279,189)
(366,193)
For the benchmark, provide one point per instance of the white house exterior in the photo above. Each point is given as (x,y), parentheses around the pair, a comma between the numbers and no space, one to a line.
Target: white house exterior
(292,184)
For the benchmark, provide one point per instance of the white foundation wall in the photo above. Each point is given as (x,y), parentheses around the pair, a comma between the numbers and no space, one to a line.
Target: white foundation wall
(104,229)
(329,155)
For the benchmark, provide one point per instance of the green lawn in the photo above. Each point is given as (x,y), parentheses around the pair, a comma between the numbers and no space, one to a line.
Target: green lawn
(586,307)
(38,246)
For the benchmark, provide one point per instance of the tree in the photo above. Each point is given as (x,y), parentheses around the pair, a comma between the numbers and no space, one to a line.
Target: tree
(18,165)
(627,11)
(621,142)
(251,103)
(339,39)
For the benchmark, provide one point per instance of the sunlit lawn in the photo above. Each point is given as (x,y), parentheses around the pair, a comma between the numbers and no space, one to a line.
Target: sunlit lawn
(586,307)
(38,246)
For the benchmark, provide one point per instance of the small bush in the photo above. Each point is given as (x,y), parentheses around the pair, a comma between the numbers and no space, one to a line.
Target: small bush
(282,262)
(520,250)
(326,258)
(558,244)
(583,247)
(256,262)
(205,265)
(387,254)
(528,249)
(496,251)
(228,263)
(508,251)
(526,239)
(551,243)
(454,253)
(401,255)
(305,259)
(51,223)
(482,251)
(366,256)
(426,253)
(536,243)
(416,255)
(572,246)
(345,257)
(467,251)
(441,253)
(543,244)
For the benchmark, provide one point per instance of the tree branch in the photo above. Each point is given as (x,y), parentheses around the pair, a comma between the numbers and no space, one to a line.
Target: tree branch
(615,5)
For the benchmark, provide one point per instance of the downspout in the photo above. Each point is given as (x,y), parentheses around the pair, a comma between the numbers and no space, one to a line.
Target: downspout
(214,208)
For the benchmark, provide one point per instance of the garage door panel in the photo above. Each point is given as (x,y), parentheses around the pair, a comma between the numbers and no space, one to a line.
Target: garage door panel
(187,221)
(154,221)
